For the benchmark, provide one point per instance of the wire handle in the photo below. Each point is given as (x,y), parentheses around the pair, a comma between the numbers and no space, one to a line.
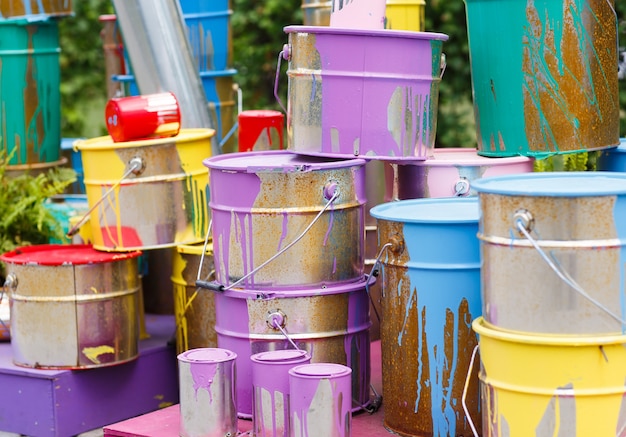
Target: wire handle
(10,282)
(464,395)
(524,221)
(276,320)
(285,54)
(136,167)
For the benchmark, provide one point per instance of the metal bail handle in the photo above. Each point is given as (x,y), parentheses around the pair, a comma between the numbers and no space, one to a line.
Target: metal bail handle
(285,54)
(10,283)
(136,167)
(464,395)
(277,320)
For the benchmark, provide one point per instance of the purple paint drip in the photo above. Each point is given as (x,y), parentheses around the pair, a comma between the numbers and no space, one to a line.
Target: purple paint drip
(331,217)
(203,375)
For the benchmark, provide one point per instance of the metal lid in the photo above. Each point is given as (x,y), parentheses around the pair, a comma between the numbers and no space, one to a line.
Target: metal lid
(195,249)
(462,156)
(440,210)
(281,356)
(386,33)
(276,161)
(63,254)
(557,184)
(320,370)
(207,355)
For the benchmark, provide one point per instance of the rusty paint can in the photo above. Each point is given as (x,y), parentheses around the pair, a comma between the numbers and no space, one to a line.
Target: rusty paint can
(331,323)
(319,400)
(282,198)
(72,307)
(113,48)
(552,248)
(431,294)
(270,385)
(148,194)
(316,12)
(31,8)
(194,307)
(207,393)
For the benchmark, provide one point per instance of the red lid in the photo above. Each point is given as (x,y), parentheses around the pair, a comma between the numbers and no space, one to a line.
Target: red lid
(63,254)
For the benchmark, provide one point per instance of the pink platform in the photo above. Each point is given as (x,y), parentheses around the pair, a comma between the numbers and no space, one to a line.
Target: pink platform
(164,423)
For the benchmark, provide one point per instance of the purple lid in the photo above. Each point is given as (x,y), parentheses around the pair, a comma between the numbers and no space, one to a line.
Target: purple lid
(320,370)
(388,33)
(207,355)
(281,356)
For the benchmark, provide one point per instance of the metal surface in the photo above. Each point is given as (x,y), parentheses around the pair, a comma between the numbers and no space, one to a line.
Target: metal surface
(75,313)
(161,57)
(431,292)
(280,194)
(316,12)
(113,48)
(163,206)
(32,8)
(331,324)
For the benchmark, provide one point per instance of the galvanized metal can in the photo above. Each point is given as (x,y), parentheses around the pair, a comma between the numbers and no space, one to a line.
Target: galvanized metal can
(319,405)
(270,384)
(72,307)
(316,12)
(207,393)
(552,248)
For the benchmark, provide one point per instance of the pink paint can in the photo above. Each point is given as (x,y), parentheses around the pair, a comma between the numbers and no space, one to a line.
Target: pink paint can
(319,400)
(270,383)
(207,393)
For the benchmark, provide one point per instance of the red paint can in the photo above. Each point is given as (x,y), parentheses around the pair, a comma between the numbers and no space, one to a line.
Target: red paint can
(260,129)
(142,117)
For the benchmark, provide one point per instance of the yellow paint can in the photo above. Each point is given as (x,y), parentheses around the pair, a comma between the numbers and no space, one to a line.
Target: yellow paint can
(405,15)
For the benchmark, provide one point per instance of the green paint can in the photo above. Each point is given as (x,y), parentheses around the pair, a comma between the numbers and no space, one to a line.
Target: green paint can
(30,128)
(544,76)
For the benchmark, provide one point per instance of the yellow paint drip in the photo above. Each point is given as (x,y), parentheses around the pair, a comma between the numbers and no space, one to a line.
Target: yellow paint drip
(92,353)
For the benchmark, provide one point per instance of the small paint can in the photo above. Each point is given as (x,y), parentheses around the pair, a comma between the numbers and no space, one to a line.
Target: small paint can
(319,400)
(260,129)
(142,117)
(207,393)
(270,381)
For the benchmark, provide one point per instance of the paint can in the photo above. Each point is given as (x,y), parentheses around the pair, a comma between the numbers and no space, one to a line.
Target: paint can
(207,393)
(431,293)
(147,194)
(284,198)
(548,61)
(260,129)
(270,385)
(30,95)
(64,208)
(30,8)
(194,308)
(545,386)
(358,14)
(405,15)
(84,316)
(330,323)
(356,93)
(73,157)
(142,117)
(113,48)
(613,159)
(319,400)
(316,12)
(5,317)
(450,172)
(552,247)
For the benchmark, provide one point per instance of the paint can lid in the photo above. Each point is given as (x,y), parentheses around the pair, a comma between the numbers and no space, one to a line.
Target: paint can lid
(63,254)
(320,370)
(441,211)
(207,355)
(271,161)
(465,156)
(281,356)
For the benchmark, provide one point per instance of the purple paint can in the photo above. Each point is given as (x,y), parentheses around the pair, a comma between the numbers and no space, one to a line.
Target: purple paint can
(319,400)
(270,382)
(305,214)
(357,93)
(331,323)
(207,393)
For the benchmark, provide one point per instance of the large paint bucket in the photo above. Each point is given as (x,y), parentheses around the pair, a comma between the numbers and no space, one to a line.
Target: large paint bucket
(30,94)
(147,194)
(613,159)
(451,172)
(552,65)
(330,323)
(194,308)
(431,293)
(406,15)
(72,307)
(356,93)
(316,12)
(549,386)
(552,247)
(262,202)
(30,8)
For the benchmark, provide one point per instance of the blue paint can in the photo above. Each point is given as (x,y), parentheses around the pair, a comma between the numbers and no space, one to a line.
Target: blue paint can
(613,159)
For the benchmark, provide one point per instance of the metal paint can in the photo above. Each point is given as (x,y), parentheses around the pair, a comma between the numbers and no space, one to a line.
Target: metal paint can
(5,316)
(319,400)
(194,307)
(260,129)
(548,61)
(64,208)
(431,293)
(30,8)
(270,385)
(207,393)
(284,198)
(113,48)
(316,12)
(355,93)
(405,15)
(613,159)
(72,307)
(30,133)
(450,172)
(546,386)
(331,323)
(553,253)
(147,194)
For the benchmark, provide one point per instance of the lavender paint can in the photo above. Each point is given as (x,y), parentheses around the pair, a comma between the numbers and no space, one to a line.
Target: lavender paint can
(207,393)
(270,381)
(356,93)
(319,400)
